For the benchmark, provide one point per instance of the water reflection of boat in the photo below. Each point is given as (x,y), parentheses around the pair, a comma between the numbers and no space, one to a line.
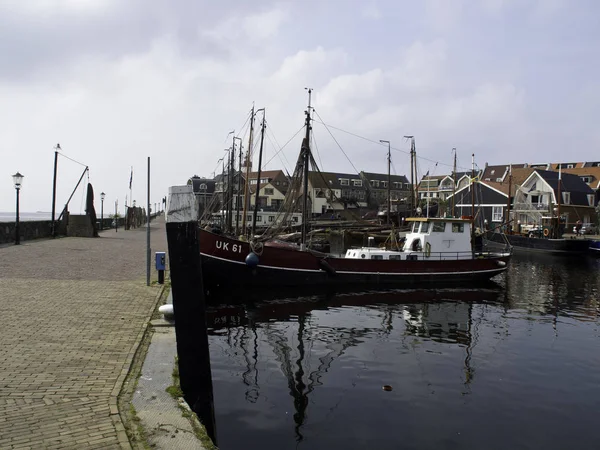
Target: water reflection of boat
(282,307)
(307,347)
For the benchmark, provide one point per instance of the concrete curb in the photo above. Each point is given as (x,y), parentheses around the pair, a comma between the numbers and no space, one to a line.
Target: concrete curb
(115,414)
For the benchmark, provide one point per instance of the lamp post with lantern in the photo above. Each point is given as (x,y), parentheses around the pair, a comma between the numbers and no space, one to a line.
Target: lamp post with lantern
(102,195)
(18,180)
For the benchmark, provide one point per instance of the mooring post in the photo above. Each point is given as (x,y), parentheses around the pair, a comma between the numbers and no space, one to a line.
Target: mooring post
(190,311)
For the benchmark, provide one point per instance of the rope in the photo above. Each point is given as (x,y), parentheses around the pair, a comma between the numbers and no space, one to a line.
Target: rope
(71,159)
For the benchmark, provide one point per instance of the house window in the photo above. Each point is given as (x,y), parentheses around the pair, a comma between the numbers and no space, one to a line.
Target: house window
(439,227)
(295,219)
(277,183)
(269,191)
(385,184)
(566,196)
(253,181)
(590,199)
(259,218)
(361,195)
(344,181)
(458,227)
(535,199)
(492,172)
(357,183)
(584,179)
(570,166)
(498,180)
(497,214)
(375,183)
(271,218)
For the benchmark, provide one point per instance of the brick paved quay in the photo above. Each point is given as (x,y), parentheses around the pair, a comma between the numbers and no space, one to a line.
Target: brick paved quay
(73,313)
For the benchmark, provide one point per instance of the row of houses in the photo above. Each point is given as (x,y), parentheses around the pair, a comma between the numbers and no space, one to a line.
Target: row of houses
(534,192)
(329,193)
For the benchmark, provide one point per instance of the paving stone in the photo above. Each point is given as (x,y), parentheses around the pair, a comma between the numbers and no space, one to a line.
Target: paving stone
(74,311)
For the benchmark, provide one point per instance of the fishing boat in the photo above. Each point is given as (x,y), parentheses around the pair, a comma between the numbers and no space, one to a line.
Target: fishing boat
(547,235)
(436,250)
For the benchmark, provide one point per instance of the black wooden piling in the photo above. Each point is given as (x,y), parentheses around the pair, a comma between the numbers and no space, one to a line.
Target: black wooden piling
(190,322)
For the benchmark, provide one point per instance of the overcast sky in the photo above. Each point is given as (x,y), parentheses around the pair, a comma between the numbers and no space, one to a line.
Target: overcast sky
(117,81)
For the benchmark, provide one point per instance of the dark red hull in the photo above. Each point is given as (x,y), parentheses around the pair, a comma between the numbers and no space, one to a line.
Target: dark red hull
(224,267)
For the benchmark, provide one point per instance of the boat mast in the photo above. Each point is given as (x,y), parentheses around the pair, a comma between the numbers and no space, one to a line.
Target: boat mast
(247,181)
(389,190)
(472,196)
(306,158)
(412,178)
(413,152)
(237,197)
(230,186)
(454,184)
(260,152)
(508,202)
(473,186)
(559,201)
(223,196)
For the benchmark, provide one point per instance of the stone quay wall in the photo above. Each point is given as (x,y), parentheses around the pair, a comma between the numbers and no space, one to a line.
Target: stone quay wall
(28,230)
(36,229)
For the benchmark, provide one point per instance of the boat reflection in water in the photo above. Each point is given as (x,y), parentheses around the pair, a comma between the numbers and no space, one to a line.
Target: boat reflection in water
(305,339)
(513,364)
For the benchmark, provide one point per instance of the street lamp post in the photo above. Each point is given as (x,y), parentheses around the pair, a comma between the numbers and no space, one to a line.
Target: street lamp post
(18,180)
(102,195)
(389,193)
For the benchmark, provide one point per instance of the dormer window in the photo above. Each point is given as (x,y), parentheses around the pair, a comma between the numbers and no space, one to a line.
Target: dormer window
(590,198)
(566,198)
(357,183)
(375,183)
(570,166)
(492,172)
(344,181)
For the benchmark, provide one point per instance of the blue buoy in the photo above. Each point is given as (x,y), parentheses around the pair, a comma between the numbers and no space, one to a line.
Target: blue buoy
(252,260)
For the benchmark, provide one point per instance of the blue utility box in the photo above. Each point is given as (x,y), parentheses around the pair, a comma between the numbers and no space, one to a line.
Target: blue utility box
(160,260)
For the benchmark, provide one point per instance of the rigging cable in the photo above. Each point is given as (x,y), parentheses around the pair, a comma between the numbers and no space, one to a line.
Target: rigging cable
(278,146)
(284,145)
(379,143)
(81,164)
(336,141)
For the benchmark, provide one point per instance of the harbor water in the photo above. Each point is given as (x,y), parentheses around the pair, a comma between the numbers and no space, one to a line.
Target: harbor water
(514,364)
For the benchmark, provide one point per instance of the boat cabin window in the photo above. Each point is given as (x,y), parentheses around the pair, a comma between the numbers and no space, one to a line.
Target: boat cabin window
(438,227)
(458,227)
(395,257)
(415,246)
(424,227)
(415,227)
(376,256)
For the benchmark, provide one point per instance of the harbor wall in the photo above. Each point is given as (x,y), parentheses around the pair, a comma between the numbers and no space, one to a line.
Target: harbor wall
(34,229)
(37,229)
